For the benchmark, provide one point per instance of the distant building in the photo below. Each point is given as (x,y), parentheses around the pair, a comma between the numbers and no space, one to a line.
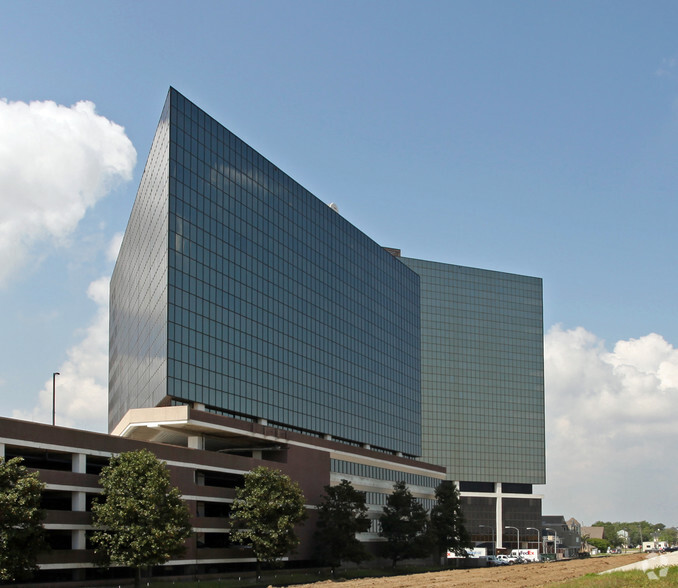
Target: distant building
(593,532)
(561,537)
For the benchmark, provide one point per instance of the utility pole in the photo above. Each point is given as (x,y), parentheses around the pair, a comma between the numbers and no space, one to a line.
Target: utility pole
(54,375)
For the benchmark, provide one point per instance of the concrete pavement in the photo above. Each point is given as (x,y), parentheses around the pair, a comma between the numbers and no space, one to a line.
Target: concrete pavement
(653,561)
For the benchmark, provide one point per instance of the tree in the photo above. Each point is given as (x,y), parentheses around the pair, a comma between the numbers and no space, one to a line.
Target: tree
(265,511)
(403,524)
(21,530)
(446,527)
(341,514)
(141,517)
(611,532)
(600,544)
(670,535)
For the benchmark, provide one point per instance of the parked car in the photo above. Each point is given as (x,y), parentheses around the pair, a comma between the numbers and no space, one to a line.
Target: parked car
(507,559)
(493,560)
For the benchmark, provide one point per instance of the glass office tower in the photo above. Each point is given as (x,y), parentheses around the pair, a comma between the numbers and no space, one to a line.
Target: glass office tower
(483,390)
(237,289)
(482,373)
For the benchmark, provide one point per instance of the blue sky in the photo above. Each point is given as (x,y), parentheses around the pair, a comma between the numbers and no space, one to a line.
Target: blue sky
(532,137)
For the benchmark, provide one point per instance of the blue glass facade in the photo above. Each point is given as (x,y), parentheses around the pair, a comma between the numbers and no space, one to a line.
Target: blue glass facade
(482,373)
(139,291)
(237,288)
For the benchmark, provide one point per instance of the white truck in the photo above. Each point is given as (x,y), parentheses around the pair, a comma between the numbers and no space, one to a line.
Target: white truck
(526,554)
(472,553)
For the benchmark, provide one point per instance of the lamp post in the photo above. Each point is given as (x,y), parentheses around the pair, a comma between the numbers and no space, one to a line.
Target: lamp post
(54,375)
(555,542)
(538,535)
(517,534)
(494,548)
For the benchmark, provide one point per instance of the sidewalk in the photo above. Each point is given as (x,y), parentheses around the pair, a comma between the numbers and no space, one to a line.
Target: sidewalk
(652,562)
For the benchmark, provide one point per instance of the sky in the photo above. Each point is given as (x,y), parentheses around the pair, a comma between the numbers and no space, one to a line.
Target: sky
(533,137)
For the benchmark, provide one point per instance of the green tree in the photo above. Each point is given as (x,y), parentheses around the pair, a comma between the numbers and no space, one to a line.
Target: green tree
(403,524)
(265,511)
(670,535)
(342,513)
(611,532)
(446,527)
(638,531)
(141,518)
(21,530)
(600,544)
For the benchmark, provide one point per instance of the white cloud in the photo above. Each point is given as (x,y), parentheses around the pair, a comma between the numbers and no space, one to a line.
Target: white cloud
(55,163)
(82,383)
(82,386)
(610,416)
(114,247)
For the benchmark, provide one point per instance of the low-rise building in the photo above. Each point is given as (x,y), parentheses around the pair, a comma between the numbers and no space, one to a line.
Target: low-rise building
(561,537)
(207,455)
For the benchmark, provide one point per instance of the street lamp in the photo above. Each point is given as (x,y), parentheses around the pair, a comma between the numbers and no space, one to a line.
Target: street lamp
(494,548)
(517,533)
(54,375)
(538,535)
(555,542)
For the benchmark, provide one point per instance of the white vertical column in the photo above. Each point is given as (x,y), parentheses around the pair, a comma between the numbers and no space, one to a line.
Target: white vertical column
(78,539)
(79,466)
(196,442)
(79,463)
(78,499)
(499,518)
(2,450)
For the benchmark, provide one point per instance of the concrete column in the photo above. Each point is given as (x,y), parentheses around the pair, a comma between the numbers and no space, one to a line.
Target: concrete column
(79,463)
(196,442)
(2,450)
(78,539)
(78,501)
(499,515)
(257,454)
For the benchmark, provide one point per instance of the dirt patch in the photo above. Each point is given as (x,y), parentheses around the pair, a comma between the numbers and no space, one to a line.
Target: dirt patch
(517,576)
